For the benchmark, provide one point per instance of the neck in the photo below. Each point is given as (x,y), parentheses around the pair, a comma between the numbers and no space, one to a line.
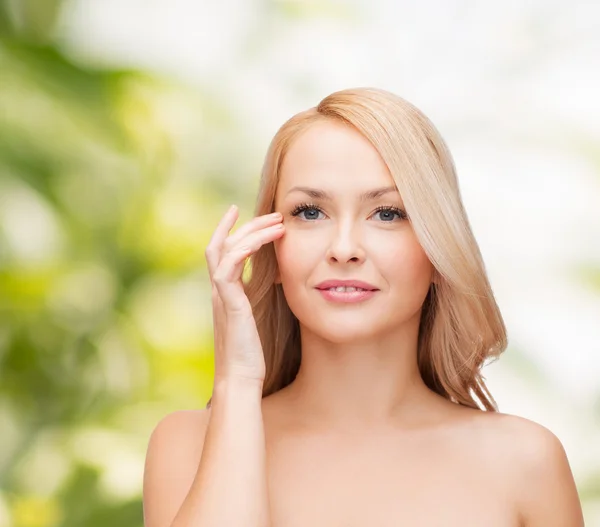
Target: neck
(353,384)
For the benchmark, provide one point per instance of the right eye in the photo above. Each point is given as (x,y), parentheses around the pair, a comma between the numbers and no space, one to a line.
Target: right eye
(313,209)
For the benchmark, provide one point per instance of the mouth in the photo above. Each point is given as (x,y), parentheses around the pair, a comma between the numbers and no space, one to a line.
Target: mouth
(347,295)
(346,286)
(343,289)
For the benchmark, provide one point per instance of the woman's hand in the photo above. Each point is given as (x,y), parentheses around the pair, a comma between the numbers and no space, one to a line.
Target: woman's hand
(238,350)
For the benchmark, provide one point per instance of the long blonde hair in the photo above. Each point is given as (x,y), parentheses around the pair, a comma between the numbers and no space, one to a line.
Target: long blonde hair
(461,325)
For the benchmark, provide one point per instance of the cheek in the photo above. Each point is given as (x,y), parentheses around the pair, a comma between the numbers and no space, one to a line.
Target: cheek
(293,253)
(406,262)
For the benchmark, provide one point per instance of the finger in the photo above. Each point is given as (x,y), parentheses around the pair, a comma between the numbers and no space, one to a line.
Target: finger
(255,224)
(231,266)
(227,276)
(215,244)
(221,241)
(255,240)
(229,271)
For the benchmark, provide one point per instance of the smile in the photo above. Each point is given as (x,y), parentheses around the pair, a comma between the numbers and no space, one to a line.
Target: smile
(346,294)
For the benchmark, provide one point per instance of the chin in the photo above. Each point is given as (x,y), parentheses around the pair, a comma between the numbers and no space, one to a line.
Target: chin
(345,338)
(344,330)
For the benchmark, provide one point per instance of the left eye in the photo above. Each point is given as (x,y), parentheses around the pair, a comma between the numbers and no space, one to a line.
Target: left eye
(388,213)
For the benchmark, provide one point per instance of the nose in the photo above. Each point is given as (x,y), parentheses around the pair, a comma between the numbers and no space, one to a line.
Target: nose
(345,245)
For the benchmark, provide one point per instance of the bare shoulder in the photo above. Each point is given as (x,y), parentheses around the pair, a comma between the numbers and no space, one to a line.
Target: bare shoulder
(516,435)
(531,446)
(537,467)
(172,458)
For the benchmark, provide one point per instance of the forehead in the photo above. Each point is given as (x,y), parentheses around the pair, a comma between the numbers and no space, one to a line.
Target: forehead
(332,155)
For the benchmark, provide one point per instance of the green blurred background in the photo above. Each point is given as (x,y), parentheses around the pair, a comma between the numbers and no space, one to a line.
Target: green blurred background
(112,178)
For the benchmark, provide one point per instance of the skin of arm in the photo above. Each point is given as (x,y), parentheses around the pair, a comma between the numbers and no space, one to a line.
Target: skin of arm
(208,468)
(545,485)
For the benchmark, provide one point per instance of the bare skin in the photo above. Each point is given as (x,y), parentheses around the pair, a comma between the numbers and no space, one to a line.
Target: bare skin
(343,449)
(451,467)
(440,467)
(357,439)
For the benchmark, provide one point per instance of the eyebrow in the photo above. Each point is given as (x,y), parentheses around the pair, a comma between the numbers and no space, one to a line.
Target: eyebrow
(369,195)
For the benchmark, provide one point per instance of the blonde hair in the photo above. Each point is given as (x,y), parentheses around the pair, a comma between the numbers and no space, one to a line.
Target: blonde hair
(461,325)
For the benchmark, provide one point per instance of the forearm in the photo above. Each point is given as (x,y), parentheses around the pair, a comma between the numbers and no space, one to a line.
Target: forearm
(230,487)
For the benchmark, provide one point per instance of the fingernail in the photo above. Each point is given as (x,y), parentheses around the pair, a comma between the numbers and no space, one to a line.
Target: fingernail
(232,208)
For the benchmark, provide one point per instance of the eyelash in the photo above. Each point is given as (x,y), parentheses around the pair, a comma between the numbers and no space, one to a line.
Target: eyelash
(306,206)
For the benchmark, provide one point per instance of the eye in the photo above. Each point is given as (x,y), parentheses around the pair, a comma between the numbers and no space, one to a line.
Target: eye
(387,212)
(314,210)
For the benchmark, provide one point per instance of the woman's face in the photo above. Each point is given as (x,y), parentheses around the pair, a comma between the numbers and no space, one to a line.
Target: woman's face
(342,236)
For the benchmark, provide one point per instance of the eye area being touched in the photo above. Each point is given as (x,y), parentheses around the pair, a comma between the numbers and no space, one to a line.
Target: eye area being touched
(388,212)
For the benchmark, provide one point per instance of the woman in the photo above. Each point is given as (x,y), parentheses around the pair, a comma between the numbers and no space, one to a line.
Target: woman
(348,387)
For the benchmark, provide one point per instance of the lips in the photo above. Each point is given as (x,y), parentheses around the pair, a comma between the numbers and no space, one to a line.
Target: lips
(328,284)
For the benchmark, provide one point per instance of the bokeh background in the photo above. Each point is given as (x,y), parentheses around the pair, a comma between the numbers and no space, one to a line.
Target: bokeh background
(127,127)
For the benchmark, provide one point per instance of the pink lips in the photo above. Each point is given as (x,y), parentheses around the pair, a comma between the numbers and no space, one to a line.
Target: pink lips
(346,297)
(349,296)
(328,284)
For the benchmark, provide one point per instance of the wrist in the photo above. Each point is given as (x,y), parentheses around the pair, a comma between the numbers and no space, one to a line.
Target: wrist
(240,386)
